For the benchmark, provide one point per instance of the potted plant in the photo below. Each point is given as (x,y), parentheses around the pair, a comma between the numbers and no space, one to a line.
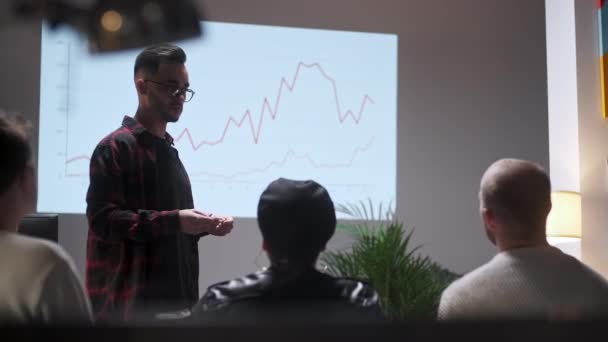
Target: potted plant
(409,285)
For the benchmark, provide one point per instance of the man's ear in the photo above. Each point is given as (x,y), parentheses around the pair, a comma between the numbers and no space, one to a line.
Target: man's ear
(489,218)
(29,187)
(27,179)
(141,86)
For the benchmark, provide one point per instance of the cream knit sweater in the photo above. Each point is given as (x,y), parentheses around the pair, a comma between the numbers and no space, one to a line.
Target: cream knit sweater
(38,283)
(537,282)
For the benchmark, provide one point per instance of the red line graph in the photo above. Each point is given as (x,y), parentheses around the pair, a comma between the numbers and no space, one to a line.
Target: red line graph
(291,154)
(76,158)
(256,130)
(273,110)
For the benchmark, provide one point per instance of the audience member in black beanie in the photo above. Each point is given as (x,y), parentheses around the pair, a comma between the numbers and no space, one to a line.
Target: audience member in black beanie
(296,219)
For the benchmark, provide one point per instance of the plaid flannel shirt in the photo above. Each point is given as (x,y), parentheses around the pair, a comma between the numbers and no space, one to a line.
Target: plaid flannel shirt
(137,257)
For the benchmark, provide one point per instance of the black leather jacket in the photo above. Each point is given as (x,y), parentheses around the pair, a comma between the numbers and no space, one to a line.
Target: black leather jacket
(275,295)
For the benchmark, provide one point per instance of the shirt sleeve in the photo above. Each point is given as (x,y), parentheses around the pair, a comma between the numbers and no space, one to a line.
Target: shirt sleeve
(108,217)
(62,298)
(447,310)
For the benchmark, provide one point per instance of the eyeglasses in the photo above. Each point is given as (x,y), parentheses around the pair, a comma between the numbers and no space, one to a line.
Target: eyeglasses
(175,91)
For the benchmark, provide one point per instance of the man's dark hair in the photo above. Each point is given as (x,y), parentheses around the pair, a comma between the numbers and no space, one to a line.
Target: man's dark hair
(296,218)
(151,57)
(16,150)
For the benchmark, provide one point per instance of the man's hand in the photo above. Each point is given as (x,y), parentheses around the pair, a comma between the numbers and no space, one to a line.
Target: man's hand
(194,222)
(224,227)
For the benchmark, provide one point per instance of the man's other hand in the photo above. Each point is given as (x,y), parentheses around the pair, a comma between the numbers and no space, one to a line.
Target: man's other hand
(194,222)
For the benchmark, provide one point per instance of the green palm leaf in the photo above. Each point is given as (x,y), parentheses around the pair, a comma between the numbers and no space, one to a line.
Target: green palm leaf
(409,285)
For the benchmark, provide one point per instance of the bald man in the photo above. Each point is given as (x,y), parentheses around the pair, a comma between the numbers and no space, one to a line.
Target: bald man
(528,278)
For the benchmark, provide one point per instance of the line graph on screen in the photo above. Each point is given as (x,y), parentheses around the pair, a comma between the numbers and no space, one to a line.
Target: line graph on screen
(270,102)
(267,112)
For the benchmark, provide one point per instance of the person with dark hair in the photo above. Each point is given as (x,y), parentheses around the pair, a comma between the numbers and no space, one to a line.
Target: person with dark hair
(39,282)
(528,278)
(296,219)
(142,250)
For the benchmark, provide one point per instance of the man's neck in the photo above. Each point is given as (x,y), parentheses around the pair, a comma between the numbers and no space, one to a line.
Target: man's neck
(9,220)
(504,246)
(150,123)
(291,266)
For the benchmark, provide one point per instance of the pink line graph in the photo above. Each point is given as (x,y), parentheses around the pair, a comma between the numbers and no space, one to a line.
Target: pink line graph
(77,175)
(77,158)
(272,111)
(291,154)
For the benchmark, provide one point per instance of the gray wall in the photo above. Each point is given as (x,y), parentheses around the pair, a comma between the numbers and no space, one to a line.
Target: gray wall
(472,89)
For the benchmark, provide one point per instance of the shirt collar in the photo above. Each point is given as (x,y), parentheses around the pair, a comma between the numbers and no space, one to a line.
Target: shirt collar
(136,128)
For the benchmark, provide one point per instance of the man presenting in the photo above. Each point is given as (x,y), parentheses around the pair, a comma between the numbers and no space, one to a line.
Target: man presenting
(142,250)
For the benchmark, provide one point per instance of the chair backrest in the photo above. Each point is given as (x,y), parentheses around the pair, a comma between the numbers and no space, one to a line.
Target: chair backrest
(44,226)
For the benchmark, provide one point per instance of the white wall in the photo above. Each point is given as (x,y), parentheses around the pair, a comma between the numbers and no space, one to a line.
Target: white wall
(578,135)
(593,133)
(472,89)
(562,95)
